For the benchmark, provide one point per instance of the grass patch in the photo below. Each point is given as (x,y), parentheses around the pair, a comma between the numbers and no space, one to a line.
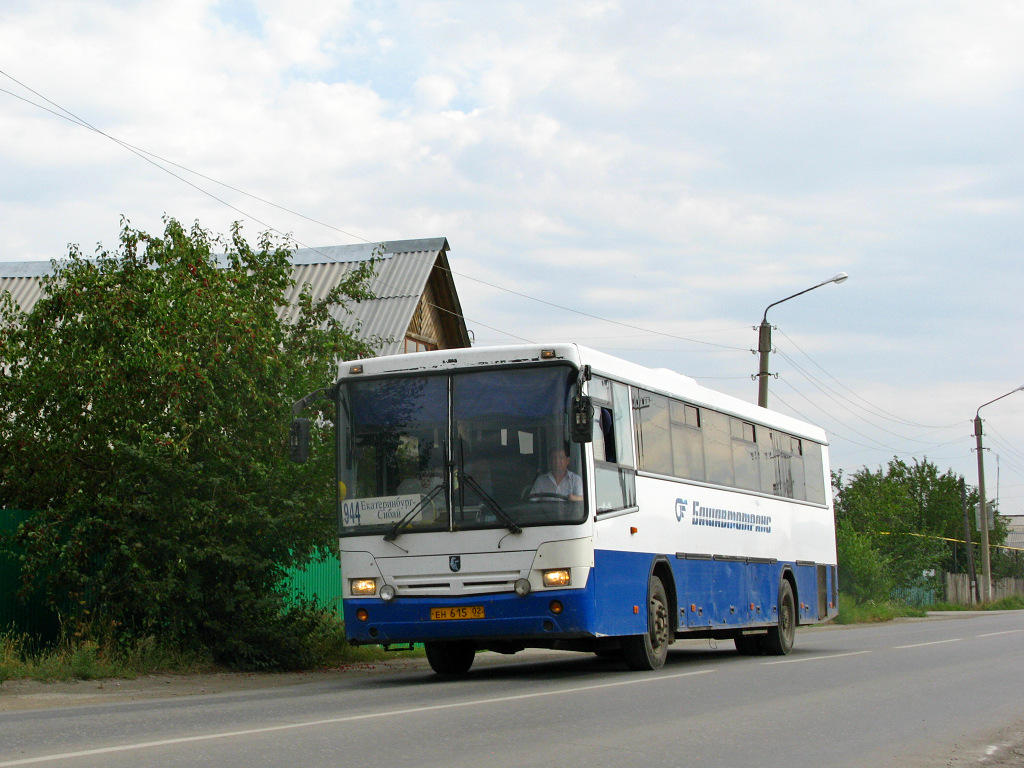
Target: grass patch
(20,657)
(1014,603)
(324,647)
(853,612)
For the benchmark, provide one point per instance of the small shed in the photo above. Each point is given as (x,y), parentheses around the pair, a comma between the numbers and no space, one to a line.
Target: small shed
(417,307)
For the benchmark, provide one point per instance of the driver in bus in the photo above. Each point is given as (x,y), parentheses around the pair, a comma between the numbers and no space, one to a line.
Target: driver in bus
(560,480)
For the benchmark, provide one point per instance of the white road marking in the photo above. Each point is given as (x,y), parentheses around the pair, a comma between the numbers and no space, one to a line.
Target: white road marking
(345,719)
(817,658)
(1007,632)
(934,642)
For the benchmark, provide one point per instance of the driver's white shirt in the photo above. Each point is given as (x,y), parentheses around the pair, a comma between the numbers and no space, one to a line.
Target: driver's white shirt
(571,485)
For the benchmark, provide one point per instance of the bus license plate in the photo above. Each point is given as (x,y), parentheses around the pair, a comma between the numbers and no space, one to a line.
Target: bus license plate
(461,612)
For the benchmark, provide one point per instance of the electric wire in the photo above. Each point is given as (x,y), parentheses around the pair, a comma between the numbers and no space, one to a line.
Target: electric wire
(887,415)
(831,393)
(1000,438)
(838,400)
(152,159)
(878,445)
(838,433)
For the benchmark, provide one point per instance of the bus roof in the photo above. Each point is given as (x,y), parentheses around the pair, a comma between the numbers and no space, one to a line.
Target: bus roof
(659,380)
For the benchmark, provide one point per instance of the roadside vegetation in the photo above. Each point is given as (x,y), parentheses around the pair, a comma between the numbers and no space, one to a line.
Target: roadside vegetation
(88,659)
(898,529)
(144,409)
(1015,603)
(852,611)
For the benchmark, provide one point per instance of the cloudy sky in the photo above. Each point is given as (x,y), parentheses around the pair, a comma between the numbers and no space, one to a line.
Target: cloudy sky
(643,177)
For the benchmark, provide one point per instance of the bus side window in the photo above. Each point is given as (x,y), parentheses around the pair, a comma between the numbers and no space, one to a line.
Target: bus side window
(607,429)
(614,475)
(814,473)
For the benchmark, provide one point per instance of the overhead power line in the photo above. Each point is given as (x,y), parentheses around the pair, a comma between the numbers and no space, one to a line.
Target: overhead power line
(847,399)
(152,159)
(869,407)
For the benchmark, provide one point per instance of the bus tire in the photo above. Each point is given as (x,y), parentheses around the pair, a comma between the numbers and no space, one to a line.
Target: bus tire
(779,640)
(450,658)
(749,645)
(649,651)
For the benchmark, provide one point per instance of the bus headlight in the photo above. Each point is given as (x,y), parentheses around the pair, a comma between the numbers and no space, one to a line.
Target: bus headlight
(560,577)
(387,593)
(522,587)
(363,587)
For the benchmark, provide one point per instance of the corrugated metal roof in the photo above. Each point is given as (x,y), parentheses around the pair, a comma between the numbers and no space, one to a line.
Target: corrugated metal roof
(402,274)
(24,290)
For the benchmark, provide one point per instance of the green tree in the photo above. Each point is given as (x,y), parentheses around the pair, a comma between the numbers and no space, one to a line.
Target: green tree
(144,406)
(863,569)
(907,514)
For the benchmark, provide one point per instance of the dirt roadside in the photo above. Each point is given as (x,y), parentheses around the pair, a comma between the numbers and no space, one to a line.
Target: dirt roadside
(1002,748)
(31,694)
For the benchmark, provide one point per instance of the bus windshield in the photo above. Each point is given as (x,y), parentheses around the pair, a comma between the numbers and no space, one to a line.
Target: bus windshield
(474,449)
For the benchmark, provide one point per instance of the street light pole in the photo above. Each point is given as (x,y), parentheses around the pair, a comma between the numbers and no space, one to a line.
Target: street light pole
(986,560)
(764,340)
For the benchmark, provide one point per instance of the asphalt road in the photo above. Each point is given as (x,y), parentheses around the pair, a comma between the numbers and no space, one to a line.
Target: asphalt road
(918,694)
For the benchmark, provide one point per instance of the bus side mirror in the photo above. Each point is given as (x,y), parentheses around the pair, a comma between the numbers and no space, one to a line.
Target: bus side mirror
(580,419)
(298,441)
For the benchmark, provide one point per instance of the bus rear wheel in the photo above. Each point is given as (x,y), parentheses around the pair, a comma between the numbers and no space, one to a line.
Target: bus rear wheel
(779,640)
(450,658)
(649,651)
(749,645)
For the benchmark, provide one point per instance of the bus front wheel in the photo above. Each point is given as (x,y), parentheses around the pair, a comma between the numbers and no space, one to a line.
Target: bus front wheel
(649,651)
(779,640)
(450,658)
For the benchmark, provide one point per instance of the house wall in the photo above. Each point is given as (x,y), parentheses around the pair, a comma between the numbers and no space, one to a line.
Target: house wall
(426,330)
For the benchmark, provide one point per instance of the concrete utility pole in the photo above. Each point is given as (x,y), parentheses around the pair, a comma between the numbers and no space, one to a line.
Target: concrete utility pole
(764,340)
(970,545)
(986,560)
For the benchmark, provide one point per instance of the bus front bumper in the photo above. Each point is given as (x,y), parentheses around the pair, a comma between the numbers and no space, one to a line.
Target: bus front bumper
(549,614)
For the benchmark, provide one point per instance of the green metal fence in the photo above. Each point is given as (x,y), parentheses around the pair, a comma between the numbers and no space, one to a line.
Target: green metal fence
(28,617)
(319,579)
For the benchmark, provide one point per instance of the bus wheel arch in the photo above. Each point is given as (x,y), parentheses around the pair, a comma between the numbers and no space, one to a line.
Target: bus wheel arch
(650,650)
(779,640)
(663,571)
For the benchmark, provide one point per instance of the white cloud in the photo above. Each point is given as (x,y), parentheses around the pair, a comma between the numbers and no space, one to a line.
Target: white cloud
(673,168)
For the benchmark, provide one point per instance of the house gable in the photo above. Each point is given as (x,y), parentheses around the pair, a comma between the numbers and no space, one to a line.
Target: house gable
(416,296)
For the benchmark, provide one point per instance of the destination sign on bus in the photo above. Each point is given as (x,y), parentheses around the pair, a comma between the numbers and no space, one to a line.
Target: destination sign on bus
(375,511)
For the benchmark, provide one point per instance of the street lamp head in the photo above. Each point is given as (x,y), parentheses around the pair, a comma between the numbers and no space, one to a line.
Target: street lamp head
(764,342)
(977,414)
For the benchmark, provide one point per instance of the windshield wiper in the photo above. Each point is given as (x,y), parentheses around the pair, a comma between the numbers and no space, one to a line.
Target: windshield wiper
(402,524)
(492,505)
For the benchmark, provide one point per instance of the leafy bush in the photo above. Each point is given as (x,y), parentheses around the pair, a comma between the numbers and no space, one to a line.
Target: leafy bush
(319,643)
(144,406)
(854,611)
(863,570)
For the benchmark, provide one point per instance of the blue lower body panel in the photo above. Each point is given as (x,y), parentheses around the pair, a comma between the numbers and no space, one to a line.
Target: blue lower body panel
(621,579)
(407,620)
(710,595)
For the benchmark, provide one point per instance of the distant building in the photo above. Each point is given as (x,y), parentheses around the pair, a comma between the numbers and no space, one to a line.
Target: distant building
(417,307)
(1015,534)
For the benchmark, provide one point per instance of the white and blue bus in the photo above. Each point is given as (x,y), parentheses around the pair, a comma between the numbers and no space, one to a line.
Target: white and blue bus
(551,496)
